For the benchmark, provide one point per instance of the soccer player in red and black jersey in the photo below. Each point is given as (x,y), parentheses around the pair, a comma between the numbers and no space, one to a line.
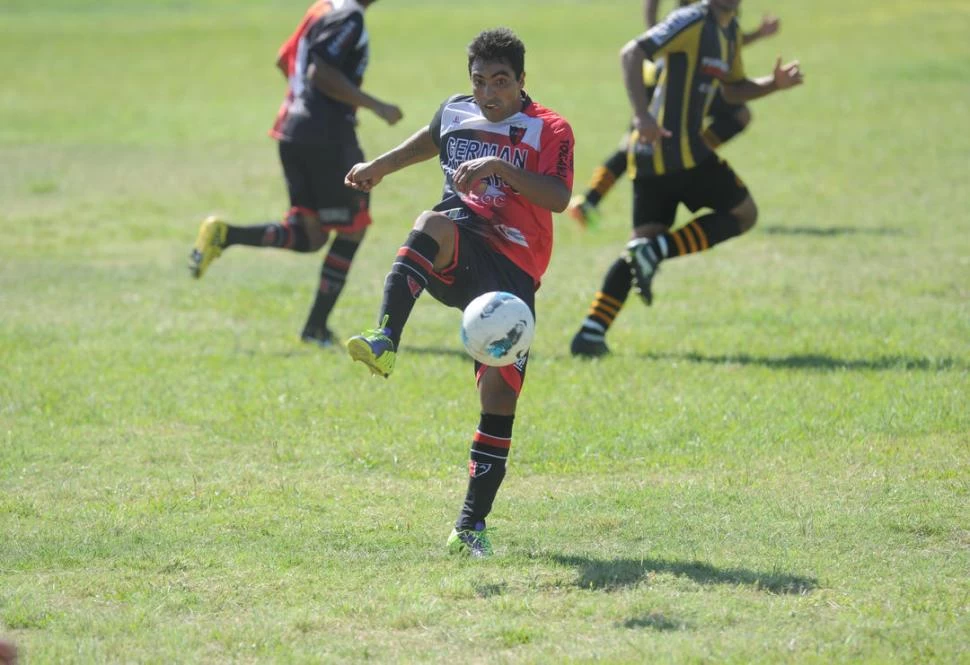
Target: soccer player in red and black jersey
(507,162)
(670,161)
(724,121)
(324,62)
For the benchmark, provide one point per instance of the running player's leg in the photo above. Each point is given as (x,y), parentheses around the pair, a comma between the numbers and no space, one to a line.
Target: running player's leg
(713,185)
(655,201)
(347,215)
(298,231)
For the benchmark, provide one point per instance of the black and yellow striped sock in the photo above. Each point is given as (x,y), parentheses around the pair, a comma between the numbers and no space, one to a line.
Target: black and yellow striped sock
(608,301)
(699,235)
(605,176)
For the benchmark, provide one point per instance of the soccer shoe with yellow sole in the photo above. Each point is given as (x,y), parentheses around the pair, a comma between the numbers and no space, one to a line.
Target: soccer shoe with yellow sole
(208,245)
(584,212)
(375,349)
(470,542)
(644,260)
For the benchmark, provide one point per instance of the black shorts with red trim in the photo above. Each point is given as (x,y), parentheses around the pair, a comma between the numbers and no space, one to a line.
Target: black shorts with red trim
(477,268)
(711,184)
(314,176)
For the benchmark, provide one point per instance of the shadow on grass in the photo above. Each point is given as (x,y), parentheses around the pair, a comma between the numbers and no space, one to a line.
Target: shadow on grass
(830,231)
(656,621)
(614,574)
(817,361)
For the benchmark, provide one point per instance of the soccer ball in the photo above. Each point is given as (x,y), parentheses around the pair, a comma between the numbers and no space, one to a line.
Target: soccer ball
(497,328)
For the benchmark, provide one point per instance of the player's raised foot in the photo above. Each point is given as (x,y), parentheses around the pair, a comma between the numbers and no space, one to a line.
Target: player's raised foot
(375,349)
(208,245)
(588,344)
(322,337)
(470,542)
(584,212)
(644,259)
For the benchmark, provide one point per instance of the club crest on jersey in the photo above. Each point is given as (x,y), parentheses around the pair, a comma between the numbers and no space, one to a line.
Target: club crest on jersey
(516,134)
(478,469)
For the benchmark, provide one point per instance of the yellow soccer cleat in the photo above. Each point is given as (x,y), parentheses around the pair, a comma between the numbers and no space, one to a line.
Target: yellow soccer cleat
(375,349)
(208,245)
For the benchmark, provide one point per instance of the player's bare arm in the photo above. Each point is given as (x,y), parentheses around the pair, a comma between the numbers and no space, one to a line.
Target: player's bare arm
(784,77)
(769,26)
(631,59)
(417,148)
(650,12)
(546,191)
(333,83)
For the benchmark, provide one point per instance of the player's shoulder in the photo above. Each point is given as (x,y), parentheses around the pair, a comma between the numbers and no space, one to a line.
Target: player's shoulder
(459,99)
(550,118)
(679,20)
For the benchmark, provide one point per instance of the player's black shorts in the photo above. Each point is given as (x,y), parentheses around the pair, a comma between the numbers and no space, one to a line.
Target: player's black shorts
(315,179)
(719,106)
(711,184)
(475,269)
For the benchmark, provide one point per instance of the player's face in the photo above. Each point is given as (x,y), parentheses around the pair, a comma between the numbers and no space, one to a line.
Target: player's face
(496,90)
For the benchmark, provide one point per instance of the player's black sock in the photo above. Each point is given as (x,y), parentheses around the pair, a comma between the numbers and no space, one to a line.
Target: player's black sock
(722,129)
(406,281)
(333,276)
(605,176)
(702,233)
(486,468)
(609,299)
(288,234)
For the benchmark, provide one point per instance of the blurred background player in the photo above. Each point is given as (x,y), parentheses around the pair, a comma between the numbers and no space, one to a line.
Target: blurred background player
(507,163)
(324,62)
(724,122)
(8,653)
(671,163)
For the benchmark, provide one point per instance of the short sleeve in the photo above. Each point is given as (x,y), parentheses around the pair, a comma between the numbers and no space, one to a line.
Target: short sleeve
(670,35)
(556,156)
(334,42)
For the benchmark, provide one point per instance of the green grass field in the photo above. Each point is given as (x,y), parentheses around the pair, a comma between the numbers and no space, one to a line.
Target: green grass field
(773,466)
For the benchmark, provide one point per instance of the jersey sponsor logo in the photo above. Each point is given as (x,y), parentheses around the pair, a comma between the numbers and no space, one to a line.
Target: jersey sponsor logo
(516,134)
(461,150)
(714,67)
(564,163)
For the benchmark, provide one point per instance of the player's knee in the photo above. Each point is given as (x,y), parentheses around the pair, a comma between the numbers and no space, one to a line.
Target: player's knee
(316,237)
(743,116)
(354,236)
(434,224)
(746,214)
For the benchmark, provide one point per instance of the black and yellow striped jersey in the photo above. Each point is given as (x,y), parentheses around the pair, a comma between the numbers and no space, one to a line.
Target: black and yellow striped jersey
(698,55)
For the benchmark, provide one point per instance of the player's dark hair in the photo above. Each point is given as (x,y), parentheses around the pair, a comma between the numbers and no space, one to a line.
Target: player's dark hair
(495,45)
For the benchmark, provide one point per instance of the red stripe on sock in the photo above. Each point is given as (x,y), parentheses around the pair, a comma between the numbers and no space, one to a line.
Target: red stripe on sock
(489,440)
(409,253)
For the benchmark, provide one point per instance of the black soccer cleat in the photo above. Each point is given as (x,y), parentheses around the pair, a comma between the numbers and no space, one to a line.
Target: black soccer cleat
(588,344)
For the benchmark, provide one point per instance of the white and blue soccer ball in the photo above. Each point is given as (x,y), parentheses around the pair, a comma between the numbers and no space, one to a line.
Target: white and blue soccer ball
(497,328)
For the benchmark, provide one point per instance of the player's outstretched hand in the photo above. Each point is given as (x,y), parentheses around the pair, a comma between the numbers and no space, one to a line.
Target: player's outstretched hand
(390,113)
(787,76)
(769,25)
(363,176)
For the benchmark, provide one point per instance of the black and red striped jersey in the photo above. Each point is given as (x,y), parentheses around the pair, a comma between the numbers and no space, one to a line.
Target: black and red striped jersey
(332,32)
(535,139)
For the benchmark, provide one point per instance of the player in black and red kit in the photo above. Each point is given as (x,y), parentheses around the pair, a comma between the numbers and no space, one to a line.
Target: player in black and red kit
(507,163)
(324,62)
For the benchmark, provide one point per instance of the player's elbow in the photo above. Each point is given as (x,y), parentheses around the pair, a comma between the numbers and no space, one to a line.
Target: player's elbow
(560,200)
(631,56)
